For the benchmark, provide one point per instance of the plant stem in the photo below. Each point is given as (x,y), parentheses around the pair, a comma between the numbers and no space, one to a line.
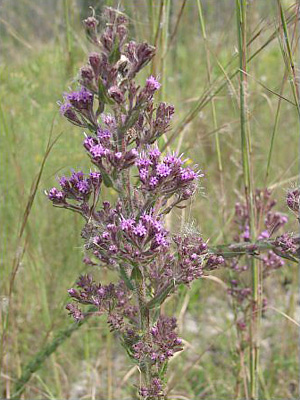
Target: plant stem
(245,148)
(144,323)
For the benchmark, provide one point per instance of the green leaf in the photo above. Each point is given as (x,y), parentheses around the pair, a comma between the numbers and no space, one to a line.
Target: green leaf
(100,108)
(158,300)
(106,179)
(163,370)
(114,54)
(102,94)
(125,278)
(136,274)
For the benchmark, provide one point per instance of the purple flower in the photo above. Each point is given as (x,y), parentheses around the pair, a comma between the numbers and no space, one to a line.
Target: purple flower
(96,178)
(264,235)
(163,170)
(152,84)
(56,196)
(108,120)
(293,200)
(106,235)
(81,100)
(103,134)
(154,154)
(84,187)
(143,162)
(68,111)
(91,22)
(140,230)
(153,181)
(160,240)
(77,187)
(113,249)
(286,243)
(143,174)
(116,93)
(98,151)
(95,60)
(187,174)
(172,160)
(87,76)
(89,142)
(127,224)
(75,311)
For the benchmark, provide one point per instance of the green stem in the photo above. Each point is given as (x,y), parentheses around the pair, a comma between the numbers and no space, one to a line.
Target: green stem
(144,319)
(245,148)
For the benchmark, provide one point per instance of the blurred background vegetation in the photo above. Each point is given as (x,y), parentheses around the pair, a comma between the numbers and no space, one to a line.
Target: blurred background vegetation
(42,48)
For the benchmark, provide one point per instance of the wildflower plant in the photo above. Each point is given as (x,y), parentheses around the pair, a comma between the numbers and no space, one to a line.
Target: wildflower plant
(122,125)
(277,250)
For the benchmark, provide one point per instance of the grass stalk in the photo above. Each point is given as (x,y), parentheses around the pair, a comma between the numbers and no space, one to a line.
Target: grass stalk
(208,67)
(150,6)
(174,33)
(69,44)
(274,130)
(164,46)
(214,116)
(246,163)
(157,35)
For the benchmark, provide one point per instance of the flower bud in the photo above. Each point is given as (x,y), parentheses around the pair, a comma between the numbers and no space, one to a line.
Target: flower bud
(293,200)
(116,94)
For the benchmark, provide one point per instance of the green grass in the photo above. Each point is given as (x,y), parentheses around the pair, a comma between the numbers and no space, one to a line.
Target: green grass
(33,77)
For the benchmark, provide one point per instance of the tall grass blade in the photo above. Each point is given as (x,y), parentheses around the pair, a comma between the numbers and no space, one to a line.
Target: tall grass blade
(245,148)
(69,44)
(208,68)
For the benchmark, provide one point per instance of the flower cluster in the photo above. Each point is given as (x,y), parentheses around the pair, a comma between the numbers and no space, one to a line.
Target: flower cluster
(263,203)
(267,222)
(293,200)
(166,175)
(271,262)
(153,123)
(239,293)
(78,187)
(154,390)
(162,344)
(192,254)
(113,238)
(286,243)
(112,43)
(112,299)
(104,152)
(78,108)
